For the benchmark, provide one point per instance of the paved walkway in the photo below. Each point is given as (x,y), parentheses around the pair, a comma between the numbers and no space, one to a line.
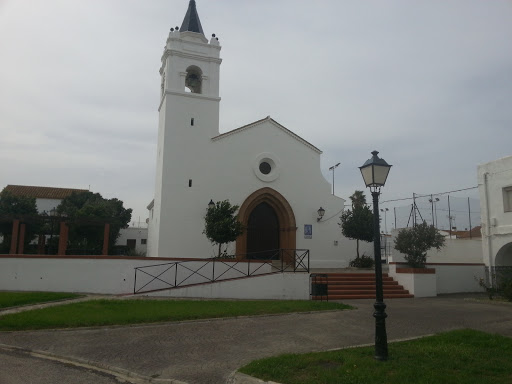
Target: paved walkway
(209,351)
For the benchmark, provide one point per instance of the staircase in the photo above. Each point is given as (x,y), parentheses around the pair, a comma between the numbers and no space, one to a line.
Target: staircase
(345,286)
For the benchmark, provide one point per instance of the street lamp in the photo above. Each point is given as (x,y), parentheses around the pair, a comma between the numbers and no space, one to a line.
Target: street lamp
(211,204)
(321,213)
(332,169)
(375,172)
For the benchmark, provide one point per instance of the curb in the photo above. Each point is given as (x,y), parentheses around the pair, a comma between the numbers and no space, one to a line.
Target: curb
(242,378)
(119,373)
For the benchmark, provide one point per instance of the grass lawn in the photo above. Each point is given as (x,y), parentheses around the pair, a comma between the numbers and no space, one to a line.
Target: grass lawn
(463,356)
(112,312)
(14,299)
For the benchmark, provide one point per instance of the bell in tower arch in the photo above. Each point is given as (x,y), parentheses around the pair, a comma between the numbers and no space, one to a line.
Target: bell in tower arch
(193,81)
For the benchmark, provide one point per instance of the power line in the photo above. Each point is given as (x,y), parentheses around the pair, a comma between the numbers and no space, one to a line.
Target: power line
(430,194)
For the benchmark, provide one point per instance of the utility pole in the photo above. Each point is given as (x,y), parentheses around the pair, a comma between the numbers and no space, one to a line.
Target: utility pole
(385,210)
(332,169)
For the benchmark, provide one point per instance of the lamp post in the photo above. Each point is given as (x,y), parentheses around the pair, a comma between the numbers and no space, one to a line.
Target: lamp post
(332,169)
(375,172)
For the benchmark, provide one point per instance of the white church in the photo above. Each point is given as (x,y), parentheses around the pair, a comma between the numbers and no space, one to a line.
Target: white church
(272,174)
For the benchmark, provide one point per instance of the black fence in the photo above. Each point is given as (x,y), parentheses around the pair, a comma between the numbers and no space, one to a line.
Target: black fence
(446,212)
(185,273)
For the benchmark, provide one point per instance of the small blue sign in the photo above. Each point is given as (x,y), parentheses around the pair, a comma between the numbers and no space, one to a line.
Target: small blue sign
(308,231)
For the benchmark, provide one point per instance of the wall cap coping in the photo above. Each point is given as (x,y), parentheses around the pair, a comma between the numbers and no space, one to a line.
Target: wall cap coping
(402,263)
(425,271)
(98,257)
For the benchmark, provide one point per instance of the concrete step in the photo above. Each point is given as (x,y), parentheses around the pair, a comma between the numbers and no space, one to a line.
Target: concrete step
(346,286)
(364,296)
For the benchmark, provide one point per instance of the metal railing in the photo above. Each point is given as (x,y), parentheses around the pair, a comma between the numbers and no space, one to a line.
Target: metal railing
(186,273)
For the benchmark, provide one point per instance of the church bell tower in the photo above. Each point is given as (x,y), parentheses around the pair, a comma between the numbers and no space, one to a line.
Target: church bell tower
(188,119)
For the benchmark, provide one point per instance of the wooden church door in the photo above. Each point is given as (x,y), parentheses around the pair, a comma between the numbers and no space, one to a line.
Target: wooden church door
(263,233)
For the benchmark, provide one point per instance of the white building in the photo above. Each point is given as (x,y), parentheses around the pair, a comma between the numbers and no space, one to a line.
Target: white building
(495,187)
(47,198)
(134,238)
(270,172)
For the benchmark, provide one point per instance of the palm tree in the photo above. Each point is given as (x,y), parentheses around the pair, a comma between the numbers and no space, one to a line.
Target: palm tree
(358,199)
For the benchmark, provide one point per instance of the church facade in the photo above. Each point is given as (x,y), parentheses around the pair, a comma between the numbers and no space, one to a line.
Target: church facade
(272,174)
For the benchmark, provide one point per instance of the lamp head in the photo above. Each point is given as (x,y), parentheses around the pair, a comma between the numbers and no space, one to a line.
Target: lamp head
(375,171)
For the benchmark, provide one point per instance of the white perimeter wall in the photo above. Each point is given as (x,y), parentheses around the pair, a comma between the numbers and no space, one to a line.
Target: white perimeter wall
(454,251)
(116,276)
(282,286)
(449,278)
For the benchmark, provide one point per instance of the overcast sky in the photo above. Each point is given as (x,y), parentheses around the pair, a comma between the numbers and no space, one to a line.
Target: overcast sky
(426,83)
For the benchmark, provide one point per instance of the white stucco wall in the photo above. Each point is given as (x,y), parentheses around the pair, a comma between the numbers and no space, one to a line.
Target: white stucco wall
(454,251)
(418,284)
(110,275)
(493,177)
(47,204)
(283,286)
(449,278)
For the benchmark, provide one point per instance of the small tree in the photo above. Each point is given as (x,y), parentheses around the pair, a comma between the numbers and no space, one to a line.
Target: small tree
(221,225)
(88,206)
(416,241)
(357,224)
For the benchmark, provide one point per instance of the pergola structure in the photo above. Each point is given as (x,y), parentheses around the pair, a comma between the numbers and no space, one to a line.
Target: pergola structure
(19,225)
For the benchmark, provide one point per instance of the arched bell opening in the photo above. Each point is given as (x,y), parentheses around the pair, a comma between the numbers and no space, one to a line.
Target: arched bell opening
(194,80)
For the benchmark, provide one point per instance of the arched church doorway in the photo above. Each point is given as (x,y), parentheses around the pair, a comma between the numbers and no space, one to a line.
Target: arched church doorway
(262,233)
(270,224)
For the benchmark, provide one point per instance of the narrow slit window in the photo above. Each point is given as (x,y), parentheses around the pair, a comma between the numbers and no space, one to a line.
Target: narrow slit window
(192,121)
(190,182)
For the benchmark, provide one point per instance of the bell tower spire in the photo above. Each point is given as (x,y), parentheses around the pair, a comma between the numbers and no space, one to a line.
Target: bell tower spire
(191,21)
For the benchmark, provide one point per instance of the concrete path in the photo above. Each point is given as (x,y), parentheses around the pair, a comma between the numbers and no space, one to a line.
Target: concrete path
(209,351)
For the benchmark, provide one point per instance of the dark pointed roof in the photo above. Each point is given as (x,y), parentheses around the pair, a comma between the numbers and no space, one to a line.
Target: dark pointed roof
(191,21)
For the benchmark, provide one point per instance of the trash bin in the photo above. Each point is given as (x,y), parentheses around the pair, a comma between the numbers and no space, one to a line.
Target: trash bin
(319,286)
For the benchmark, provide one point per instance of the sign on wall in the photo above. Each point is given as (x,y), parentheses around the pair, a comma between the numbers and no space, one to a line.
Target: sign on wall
(308,231)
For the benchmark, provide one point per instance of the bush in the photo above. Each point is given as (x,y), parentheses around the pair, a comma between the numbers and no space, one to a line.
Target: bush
(416,241)
(506,288)
(362,262)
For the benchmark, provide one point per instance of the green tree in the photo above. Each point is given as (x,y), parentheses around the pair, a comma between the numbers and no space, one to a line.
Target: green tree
(416,241)
(17,207)
(358,199)
(357,224)
(221,225)
(87,212)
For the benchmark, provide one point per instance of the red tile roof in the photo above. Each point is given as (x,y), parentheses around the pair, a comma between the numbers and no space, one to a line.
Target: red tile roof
(42,192)
(475,232)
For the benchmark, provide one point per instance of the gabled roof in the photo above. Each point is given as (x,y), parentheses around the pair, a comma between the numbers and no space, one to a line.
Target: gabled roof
(42,192)
(191,21)
(275,123)
(475,232)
